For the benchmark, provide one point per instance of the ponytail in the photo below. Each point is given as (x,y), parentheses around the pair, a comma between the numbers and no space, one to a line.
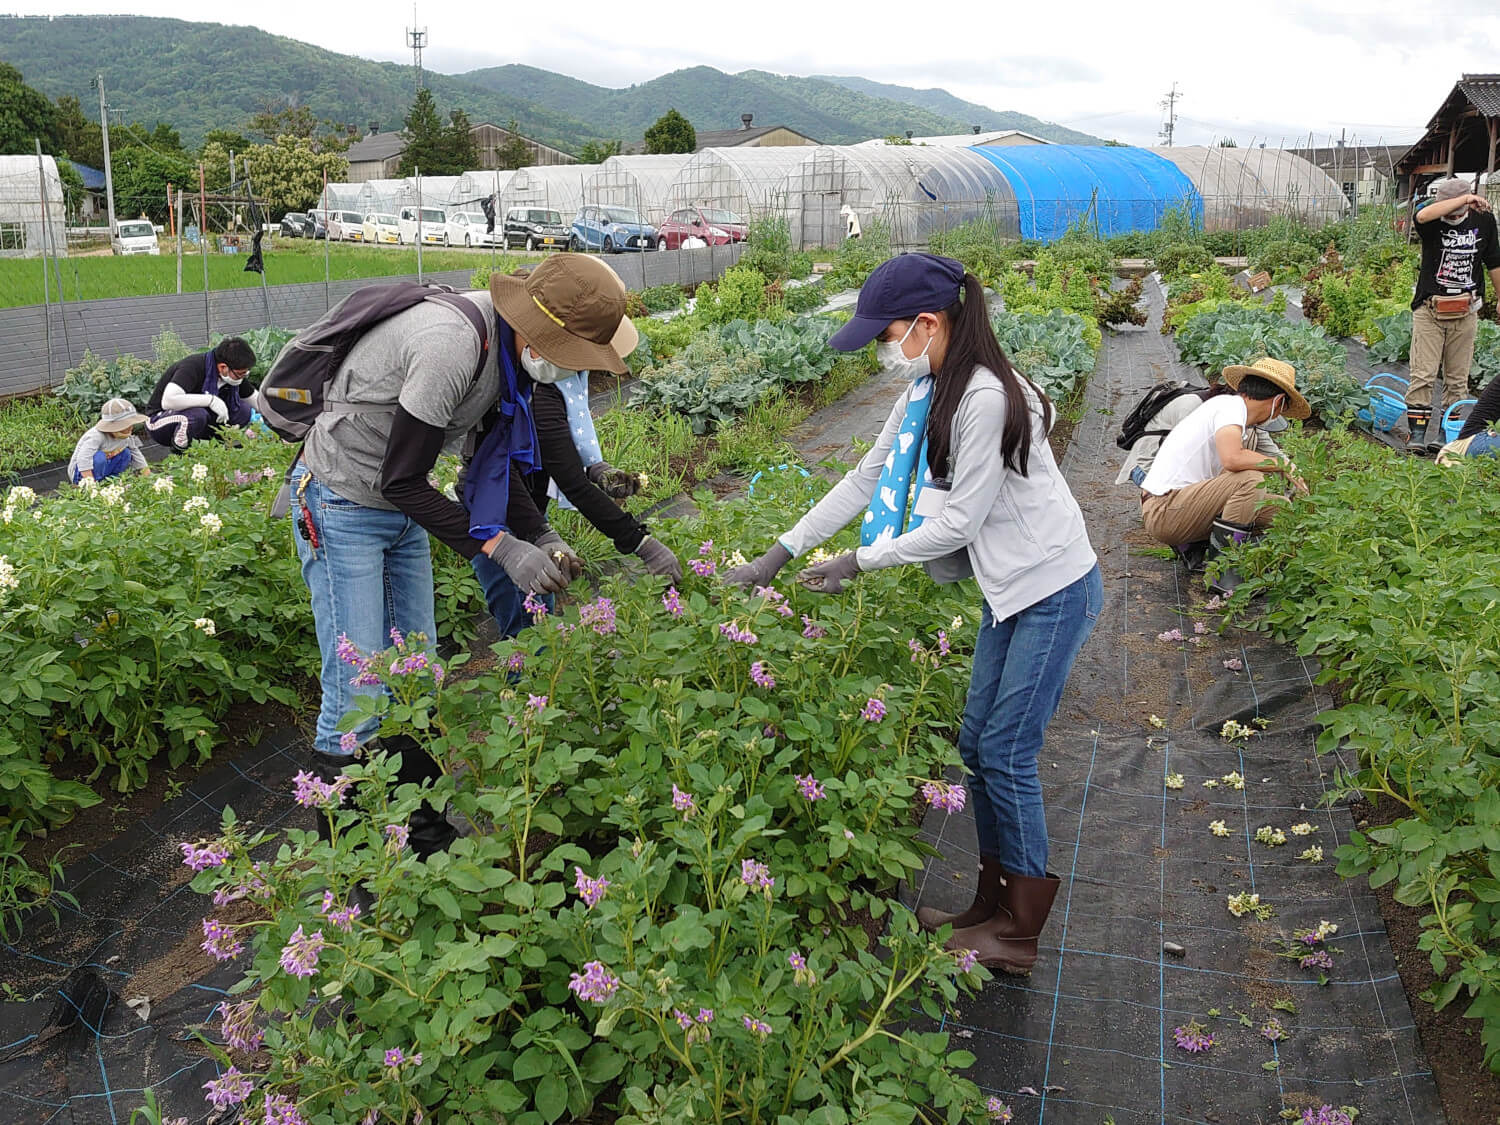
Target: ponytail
(971,344)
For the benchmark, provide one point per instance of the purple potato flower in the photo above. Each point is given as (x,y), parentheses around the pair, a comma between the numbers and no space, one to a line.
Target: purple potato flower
(595,983)
(299,956)
(230,1089)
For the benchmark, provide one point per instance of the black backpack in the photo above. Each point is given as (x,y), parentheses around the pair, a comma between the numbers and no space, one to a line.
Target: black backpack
(1150,405)
(292,395)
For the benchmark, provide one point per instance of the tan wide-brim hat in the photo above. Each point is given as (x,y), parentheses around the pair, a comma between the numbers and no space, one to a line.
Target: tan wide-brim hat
(1284,375)
(571,310)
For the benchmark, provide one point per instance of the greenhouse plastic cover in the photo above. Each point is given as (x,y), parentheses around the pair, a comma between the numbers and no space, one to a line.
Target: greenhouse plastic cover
(641,181)
(556,187)
(1243,187)
(1056,184)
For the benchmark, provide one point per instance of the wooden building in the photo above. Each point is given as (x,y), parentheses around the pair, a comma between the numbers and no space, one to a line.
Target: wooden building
(1462,139)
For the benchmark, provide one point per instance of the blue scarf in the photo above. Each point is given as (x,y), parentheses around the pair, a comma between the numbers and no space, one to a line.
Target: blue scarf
(575,392)
(904,475)
(511,441)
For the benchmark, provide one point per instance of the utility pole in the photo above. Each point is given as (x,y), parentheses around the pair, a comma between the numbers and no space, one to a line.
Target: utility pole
(1169,103)
(416,39)
(109,176)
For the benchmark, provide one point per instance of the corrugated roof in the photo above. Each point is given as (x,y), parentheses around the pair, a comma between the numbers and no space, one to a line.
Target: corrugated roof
(381,146)
(1384,157)
(733,138)
(93,178)
(1483,92)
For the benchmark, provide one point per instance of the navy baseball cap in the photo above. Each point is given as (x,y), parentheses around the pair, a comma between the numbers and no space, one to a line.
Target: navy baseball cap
(898,289)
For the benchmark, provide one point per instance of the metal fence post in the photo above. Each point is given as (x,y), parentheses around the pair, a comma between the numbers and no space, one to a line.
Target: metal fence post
(41,173)
(418,173)
(208,328)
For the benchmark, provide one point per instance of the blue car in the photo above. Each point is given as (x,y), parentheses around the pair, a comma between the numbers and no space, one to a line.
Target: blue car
(612,230)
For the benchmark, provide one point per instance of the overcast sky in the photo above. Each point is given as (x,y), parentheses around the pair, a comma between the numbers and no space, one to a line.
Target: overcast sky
(1270,71)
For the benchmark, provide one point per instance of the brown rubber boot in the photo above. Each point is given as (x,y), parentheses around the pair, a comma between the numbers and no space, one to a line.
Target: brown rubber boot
(1007,942)
(988,896)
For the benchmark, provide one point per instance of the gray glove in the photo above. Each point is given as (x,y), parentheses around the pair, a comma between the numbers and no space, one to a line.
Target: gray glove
(761,571)
(615,483)
(658,559)
(829,577)
(529,566)
(220,411)
(560,553)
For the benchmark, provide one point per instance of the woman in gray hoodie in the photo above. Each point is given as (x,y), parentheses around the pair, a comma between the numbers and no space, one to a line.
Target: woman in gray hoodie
(962,480)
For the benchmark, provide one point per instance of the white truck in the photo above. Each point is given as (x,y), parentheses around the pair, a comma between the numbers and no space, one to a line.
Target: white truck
(134,236)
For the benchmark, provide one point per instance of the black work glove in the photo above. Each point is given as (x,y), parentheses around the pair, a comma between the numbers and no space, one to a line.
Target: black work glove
(761,571)
(560,553)
(529,566)
(615,483)
(829,577)
(658,559)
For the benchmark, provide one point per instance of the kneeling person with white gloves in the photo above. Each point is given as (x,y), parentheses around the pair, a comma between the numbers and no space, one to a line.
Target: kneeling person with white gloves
(199,394)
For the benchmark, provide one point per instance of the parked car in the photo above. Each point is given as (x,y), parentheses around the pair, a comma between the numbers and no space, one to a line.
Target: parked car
(379,228)
(316,226)
(293,224)
(134,236)
(534,228)
(346,226)
(434,226)
(612,230)
(466,228)
(713,225)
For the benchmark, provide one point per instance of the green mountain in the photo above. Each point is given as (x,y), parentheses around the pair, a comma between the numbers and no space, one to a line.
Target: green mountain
(828,110)
(202,76)
(941,102)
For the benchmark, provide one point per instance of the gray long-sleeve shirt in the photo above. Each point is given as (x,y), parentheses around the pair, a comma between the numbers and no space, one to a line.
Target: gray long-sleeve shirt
(1023,536)
(92,441)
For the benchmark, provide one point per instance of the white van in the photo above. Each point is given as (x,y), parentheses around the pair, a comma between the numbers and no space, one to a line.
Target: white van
(135,236)
(434,226)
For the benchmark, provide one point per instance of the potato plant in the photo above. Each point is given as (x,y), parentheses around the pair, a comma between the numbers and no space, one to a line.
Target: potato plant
(684,803)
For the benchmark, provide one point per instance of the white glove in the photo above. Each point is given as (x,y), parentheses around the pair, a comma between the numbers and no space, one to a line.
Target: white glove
(221,412)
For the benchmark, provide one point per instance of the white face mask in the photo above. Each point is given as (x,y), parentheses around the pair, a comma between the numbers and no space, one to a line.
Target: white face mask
(540,369)
(892,358)
(229,378)
(1457,218)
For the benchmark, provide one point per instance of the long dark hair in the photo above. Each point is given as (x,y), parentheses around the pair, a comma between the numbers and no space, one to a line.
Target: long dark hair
(971,344)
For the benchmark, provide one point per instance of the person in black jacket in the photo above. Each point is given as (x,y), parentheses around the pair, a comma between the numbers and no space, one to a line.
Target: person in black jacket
(197,395)
(575,474)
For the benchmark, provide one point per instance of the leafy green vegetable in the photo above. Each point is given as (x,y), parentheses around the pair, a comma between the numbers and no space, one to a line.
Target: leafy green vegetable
(1052,349)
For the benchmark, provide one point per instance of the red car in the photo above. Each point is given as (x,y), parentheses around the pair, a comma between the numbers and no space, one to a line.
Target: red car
(711,225)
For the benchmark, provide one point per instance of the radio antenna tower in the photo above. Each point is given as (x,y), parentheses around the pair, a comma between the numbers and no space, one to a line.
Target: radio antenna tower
(416,39)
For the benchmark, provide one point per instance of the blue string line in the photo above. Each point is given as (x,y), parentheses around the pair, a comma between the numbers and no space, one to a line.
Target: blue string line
(1161,934)
(1063,944)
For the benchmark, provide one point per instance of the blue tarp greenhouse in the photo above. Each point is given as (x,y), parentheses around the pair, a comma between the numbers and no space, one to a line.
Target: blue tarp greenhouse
(1129,189)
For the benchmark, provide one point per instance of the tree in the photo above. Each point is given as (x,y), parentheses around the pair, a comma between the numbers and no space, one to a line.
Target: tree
(277,119)
(597,152)
(424,137)
(226,139)
(287,175)
(79,137)
(671,133)
(72,184)
(161,136)
(26,116)
(515,152)
(1227,142)
(141,179)
(460,153)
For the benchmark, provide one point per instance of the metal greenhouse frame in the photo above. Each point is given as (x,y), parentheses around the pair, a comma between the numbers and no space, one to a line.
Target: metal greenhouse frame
(1245,187)
(27,228)
(558,187)
(748,181)
(642,182)
(378,195)
(340,197)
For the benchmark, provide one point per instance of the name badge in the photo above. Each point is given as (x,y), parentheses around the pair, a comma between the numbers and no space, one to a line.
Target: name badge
(932,499)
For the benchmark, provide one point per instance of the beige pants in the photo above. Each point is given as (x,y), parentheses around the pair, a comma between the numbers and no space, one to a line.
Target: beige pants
(1434,342)
(1186,515)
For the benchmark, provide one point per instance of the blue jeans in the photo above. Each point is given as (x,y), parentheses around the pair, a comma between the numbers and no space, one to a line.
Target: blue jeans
(504,597)
(371,573)
(1020,667)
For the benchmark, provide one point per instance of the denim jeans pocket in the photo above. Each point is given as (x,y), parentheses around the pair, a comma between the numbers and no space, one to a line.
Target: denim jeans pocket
(1093,594)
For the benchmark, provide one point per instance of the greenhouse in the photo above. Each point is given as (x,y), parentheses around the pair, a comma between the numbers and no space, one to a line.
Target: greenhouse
(340,197)
(433,191)
(641,182)
(1244,187)
(748,181)
(378,195)
(916,192)
(1119,189)
(558,187)
(26,226)
(473,188)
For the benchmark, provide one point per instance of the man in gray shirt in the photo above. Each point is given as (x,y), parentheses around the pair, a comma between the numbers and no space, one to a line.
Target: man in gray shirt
(362,498)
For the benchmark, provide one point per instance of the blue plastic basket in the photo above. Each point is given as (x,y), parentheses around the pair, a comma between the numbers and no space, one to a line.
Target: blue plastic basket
(1387,406)
(1453,426)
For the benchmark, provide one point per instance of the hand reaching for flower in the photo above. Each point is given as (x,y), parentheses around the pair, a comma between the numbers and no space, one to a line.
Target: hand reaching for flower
(762,571)
(829,577)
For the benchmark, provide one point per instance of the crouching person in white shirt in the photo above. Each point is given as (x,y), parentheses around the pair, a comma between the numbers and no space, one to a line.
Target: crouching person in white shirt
(1204,483)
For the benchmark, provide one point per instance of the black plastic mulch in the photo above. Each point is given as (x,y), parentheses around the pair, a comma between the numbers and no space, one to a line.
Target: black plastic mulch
(1088,1037)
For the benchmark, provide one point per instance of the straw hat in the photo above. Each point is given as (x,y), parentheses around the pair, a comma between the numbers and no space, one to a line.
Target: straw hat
(1284,375)
(118,414)
(571,310)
